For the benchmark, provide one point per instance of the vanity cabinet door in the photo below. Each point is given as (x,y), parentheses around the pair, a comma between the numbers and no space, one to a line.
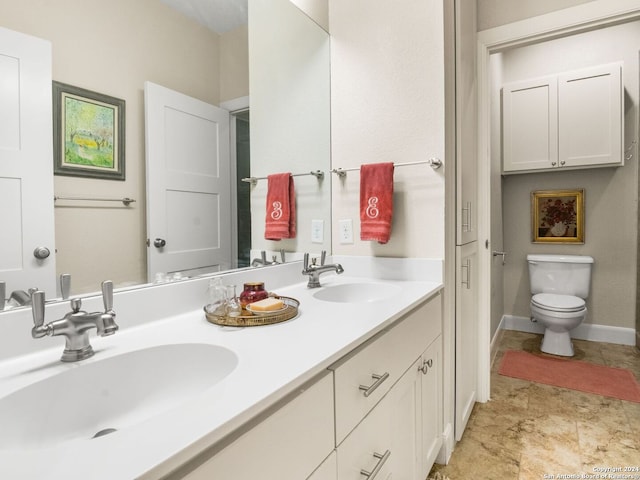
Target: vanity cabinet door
(431,404)
(591,116)
(287,445)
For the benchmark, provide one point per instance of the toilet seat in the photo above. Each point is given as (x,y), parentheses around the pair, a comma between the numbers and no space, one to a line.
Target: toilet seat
(558,303)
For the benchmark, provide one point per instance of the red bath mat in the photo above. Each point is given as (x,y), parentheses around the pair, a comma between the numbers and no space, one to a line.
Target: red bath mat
(576,375)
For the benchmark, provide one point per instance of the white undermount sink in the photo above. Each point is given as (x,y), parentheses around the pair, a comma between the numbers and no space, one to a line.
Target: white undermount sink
(103,396)
(357,292)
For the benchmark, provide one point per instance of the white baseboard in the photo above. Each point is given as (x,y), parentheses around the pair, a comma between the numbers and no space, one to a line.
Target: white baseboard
(448,444)
(585,331)
(495,341)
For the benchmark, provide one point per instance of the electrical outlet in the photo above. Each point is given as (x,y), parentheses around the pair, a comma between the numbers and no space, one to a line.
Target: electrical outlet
(317,231)
(345,228)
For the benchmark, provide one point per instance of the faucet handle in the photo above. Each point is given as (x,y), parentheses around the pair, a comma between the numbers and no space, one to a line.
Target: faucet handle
(37,307)
(107,295)
(65,285)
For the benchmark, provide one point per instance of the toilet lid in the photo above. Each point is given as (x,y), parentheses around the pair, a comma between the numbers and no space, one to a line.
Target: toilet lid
(561,303)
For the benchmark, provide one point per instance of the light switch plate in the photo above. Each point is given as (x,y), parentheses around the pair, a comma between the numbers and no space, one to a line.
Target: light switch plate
(317,231)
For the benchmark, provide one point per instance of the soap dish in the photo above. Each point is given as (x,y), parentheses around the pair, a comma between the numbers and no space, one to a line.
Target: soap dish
(248,319)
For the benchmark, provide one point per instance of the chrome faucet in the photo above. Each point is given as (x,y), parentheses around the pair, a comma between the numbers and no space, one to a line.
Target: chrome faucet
(75,325)
(262,261)
(314,270)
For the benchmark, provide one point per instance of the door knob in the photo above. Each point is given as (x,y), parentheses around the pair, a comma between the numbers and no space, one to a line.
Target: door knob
(41,253)
(159,242)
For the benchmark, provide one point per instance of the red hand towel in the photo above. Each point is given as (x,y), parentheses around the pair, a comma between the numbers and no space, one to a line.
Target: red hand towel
(376,201)
(281,207)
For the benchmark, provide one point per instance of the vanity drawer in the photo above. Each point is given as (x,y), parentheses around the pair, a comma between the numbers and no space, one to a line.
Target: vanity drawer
(287,445)
(365,375)
(368,448)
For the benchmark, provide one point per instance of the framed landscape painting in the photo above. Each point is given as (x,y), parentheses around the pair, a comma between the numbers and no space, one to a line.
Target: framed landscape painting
(557,216)
(88,133)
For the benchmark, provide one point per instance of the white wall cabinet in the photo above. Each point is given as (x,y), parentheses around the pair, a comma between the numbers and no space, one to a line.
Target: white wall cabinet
(571,120)
(384,399)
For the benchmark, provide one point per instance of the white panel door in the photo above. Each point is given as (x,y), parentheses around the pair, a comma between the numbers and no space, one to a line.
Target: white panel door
(188,184)
(590,116)
(530,125)
(26,163)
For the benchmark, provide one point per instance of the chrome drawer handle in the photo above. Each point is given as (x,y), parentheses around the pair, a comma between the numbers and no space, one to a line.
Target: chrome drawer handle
(368,390)
(381,461)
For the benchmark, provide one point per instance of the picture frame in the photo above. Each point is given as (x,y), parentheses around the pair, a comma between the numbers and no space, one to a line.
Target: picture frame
(88,133)
(557,216)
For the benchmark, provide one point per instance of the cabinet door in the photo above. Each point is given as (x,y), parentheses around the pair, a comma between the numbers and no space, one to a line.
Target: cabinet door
(431,404)
(406,419)
(530,125)
(591,116)
(466,334)
(466,119)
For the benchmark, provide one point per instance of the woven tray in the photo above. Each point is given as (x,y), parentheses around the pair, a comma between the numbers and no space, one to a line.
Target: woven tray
(248,319)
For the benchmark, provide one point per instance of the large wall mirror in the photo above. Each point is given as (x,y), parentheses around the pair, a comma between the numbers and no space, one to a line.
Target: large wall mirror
(279,59)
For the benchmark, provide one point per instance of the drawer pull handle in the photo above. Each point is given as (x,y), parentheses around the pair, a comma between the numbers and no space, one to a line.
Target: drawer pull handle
(381,461)
(368,390)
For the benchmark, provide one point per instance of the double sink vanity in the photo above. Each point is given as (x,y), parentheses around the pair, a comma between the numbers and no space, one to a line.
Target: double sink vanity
(349,389)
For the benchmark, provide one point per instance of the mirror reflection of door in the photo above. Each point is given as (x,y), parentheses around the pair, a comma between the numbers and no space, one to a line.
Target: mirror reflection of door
(243,189)
(26,166)
(189,184)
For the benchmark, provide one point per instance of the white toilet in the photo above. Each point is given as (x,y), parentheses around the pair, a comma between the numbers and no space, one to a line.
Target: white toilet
(559,285)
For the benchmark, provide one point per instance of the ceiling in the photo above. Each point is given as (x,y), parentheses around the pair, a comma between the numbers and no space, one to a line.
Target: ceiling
(218,15)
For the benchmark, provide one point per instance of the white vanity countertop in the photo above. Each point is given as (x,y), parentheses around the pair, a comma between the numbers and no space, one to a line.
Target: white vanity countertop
(274,361)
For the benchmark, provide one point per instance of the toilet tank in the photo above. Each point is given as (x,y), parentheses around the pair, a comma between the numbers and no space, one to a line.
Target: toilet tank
(560,274)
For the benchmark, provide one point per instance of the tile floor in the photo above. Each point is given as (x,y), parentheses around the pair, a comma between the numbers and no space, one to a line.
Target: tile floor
(532,431)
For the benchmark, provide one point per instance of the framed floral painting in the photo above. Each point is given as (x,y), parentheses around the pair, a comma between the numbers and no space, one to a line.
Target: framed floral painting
(557,216)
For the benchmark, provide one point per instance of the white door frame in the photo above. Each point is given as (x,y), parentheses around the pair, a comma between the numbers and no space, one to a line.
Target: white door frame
(588,16)
(234,105)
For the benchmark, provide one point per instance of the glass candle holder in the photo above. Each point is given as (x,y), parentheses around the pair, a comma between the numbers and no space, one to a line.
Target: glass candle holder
(252,292)
(232,306)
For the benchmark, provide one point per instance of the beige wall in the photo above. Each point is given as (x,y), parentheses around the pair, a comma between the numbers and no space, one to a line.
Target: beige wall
(610,193)
(234,64)
(492,13)
(387,104)
(113,48)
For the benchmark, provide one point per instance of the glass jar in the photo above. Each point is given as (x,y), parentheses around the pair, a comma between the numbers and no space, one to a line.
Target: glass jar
(252,292)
